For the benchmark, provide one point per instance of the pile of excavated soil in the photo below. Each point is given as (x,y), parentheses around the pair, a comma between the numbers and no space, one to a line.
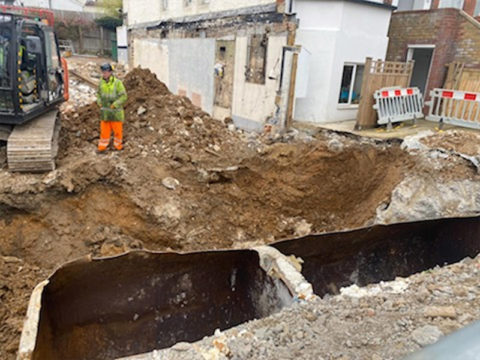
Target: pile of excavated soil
(158,122)
(183,182)
(459,141)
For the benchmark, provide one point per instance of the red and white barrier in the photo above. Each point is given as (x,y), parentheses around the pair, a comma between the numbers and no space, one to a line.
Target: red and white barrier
(397,92)
(455,107)
(398,104)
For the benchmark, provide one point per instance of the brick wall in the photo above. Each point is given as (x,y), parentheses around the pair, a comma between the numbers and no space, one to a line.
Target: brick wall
(469,6)
(468,42)
(456,38)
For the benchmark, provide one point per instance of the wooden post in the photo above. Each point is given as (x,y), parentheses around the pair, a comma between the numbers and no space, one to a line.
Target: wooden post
(80,39)
(292,33)
(291,91)
(380,74)
(362,117)
(411,65)
(102,41)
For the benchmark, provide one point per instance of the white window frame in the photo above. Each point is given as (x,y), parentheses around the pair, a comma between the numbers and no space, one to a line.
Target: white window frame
(349,105)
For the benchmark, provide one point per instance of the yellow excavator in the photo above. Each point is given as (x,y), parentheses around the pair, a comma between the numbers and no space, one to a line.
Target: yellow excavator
(33,82)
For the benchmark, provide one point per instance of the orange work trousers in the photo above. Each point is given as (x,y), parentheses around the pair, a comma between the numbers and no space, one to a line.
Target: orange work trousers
(106,129)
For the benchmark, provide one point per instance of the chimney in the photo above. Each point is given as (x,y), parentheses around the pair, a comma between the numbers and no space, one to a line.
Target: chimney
(469,6)
(387,2)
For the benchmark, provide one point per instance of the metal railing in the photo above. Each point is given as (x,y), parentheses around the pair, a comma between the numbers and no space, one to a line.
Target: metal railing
(455,107)
(398,104)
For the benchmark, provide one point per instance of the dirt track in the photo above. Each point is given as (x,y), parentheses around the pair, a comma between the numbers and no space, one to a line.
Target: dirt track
(232,191)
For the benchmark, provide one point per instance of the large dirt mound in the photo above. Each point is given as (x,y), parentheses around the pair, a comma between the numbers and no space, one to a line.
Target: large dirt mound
(156,121)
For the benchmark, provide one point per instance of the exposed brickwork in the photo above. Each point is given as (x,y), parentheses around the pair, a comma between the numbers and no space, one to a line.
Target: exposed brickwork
(272,23)
(469,6)
(455,36)
(197,99)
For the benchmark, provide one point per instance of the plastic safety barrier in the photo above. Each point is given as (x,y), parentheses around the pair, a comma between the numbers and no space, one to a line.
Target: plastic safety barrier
(398,104)
(455,107)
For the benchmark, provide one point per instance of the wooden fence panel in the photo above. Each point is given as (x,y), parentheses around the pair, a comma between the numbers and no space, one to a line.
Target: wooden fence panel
(379,74)
(461,78)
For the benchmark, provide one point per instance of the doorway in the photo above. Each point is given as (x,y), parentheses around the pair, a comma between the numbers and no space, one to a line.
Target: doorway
(422,55)
(224,74)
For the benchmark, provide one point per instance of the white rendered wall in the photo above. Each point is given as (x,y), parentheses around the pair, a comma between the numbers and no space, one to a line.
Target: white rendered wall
(152,54)
(335,33)
(68,5)
(182,64)
(142,11)
(254,103)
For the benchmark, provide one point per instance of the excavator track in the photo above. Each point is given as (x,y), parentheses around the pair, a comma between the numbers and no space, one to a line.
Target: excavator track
(32,147)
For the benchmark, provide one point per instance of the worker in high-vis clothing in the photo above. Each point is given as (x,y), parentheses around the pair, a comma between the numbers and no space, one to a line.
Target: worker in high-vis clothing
(111,97)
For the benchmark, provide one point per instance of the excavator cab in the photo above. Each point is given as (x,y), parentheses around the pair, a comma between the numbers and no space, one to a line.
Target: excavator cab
(33,82)
(31,72)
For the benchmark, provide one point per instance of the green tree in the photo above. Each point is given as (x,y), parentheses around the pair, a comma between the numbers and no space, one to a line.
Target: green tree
(113,14)
(113,8)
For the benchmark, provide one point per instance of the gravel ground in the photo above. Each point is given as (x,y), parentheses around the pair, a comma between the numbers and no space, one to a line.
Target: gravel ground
(383,321)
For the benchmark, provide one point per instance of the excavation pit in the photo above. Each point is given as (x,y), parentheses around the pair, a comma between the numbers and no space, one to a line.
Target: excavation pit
(135,303)
(383,252)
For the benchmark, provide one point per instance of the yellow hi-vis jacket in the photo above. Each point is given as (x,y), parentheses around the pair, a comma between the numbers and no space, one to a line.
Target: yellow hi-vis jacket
(111,96)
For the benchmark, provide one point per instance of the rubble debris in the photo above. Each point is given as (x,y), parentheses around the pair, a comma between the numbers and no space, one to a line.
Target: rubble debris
(302,228)
(141,110)
(170,127)
(170,183)
(440,311)
(458,141)
(426,335)
(424,197)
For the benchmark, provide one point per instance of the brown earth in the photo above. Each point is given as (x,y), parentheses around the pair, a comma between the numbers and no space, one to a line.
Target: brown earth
(230,191)
(459,141)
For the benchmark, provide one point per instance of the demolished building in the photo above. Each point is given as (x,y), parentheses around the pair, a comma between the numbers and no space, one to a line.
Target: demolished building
(261,61)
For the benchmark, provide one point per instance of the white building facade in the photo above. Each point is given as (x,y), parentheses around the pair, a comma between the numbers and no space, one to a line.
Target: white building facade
(65,5)
(337,37)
